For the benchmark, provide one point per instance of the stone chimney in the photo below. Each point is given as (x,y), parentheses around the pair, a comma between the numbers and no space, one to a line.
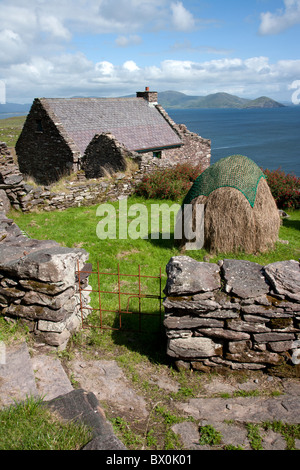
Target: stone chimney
(150,96)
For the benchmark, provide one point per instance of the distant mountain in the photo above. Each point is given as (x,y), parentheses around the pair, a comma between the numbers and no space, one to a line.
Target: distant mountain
(175,99)
(263,102)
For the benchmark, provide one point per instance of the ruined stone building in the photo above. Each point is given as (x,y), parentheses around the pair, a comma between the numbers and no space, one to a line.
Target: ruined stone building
(65,135)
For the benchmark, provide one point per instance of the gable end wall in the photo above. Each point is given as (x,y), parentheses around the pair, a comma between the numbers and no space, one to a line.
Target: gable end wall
(195,149)
(47,154)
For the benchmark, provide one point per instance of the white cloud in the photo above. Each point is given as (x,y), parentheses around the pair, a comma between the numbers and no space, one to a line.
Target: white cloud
(130,66)
(282,19)
(61,19)
(105,68)
(39,58)
(182,19)
(43,27)
(125,41)
(11,47)
(51,24)
(68,75)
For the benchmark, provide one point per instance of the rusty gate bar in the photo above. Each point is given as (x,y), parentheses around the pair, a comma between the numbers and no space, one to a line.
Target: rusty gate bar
(81,273)
(98,278)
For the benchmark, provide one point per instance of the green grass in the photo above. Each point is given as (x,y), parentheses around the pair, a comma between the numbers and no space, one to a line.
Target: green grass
(31,426)
(289,432)
(11,332)
(209,436)
(76,227)
(10,129)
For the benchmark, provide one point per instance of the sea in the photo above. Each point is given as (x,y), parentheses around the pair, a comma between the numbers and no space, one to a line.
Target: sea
(269,136)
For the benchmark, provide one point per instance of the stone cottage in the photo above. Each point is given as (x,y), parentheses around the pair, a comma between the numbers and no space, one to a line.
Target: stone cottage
(60,134)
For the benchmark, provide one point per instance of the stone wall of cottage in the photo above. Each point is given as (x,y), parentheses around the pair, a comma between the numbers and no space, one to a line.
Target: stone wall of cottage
(196,150)
(104,156)
(39,285)
(17,193)
(235,314)
(44,152)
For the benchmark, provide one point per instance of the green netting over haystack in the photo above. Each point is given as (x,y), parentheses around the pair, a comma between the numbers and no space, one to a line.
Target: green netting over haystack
(237,172)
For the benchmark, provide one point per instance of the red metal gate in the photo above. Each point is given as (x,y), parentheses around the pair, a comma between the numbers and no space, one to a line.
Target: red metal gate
(120,312)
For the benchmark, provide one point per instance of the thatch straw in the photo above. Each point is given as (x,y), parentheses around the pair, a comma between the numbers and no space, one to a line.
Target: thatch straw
(231,225)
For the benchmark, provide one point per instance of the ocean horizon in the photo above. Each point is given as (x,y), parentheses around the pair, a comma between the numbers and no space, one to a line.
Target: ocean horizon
(269,136)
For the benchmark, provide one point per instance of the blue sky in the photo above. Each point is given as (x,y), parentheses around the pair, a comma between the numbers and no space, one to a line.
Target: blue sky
(107,48)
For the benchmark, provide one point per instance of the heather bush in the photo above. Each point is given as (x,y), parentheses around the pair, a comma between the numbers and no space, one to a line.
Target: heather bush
(285,188)
(169,183)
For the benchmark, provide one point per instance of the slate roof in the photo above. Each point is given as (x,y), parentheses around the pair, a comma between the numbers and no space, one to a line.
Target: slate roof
(132,121)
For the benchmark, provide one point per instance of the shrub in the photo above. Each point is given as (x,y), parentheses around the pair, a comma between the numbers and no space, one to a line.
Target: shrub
(285,188)
(169,183)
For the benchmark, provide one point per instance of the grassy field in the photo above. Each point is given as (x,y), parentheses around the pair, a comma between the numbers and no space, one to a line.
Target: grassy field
(76,227)
(10,129)
(31,426)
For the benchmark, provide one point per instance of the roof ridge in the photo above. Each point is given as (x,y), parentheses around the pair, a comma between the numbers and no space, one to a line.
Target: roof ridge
(94,98)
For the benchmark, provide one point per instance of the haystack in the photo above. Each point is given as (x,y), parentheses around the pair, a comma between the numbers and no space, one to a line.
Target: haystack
(240,213)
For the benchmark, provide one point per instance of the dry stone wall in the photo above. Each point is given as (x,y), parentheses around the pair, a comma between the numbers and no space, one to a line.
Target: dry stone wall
(235,314)
(17,193)
(39,285)
(84,190)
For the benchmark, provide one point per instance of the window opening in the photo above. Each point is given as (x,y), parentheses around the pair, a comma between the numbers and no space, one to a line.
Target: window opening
(39,125)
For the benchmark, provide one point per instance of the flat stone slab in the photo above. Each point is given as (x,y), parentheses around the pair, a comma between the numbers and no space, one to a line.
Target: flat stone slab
(187,276)
(190,348)
(188,433)
(17,380)
(232,434)
(51,377)
(285,277)
(109,384)
(285,408)
(244,278)
(50,264)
